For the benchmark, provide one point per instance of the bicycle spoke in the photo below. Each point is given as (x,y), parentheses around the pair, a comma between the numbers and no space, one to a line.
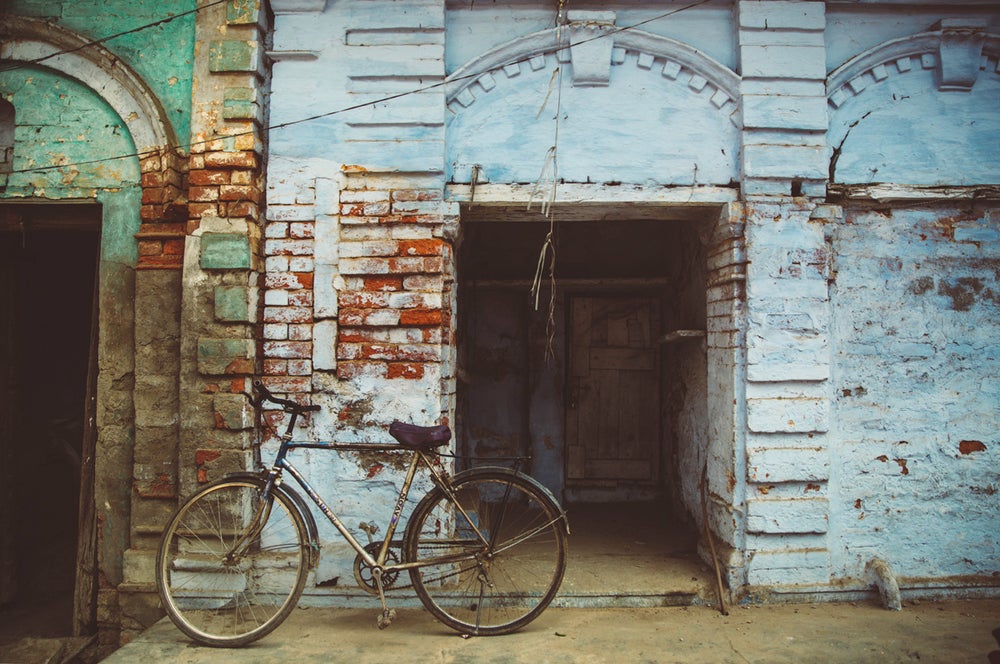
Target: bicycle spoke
(217,594)
(504,585)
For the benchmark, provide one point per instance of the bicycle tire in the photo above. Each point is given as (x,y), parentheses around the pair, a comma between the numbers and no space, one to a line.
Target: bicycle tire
(229,603)
(486,594)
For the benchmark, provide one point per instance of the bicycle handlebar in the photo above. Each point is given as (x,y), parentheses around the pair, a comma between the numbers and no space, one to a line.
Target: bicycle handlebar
(287,405)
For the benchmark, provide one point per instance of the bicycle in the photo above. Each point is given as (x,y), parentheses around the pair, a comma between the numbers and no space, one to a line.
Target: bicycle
(485,549)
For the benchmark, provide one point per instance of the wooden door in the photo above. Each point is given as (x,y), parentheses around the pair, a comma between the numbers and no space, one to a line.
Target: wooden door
(612,428)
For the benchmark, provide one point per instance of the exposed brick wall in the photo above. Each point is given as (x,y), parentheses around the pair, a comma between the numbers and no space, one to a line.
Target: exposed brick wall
(392,315)
(163,211)
(391,312)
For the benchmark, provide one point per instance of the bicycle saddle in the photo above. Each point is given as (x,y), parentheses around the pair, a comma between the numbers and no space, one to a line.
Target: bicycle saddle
(418,437)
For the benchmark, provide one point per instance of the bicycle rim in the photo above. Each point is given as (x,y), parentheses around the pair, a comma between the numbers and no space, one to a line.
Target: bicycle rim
(487,590)
(224,600)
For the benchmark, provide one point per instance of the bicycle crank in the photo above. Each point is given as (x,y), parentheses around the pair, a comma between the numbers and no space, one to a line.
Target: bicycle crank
(364,573)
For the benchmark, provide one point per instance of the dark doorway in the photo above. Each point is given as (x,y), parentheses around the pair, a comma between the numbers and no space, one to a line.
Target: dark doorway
(582,380)
(49,256)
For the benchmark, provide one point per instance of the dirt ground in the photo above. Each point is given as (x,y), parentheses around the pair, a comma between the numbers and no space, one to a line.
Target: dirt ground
(950,632)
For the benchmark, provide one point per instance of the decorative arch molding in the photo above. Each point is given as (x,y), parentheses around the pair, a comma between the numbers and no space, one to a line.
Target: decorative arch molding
(677,62)
(918,113)
(26,40)
(670,115)
(957,53)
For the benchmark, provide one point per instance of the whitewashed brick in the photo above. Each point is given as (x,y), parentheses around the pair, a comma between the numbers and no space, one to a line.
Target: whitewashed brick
(782,15)
(790,415)
(290,213)
(789,567)
(275,331)
(788,464)
(276,298)
(325,345)
(778,61)
(804,515)
(792,161)
(785,112)
(300,264)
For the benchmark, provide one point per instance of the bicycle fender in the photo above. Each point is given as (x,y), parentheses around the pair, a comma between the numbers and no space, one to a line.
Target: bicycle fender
(523,476)
(300,504)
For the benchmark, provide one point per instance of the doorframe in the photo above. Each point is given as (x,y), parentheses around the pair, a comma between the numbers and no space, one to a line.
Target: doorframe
(722,215)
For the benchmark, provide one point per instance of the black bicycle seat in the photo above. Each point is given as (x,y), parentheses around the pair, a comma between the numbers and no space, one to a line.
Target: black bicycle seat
(418,437)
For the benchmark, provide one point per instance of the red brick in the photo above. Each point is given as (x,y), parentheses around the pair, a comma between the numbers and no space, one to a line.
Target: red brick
(349,370)
(173,247)
(150,212)
(362,300)
(152,179)
(232,192)
(243,209)
(288,349)
(288,280)
(420,247)
(201,457)
(383,283)
(408,370)
(410,195)
(150,164)
(275,367)
(160,262)
(230,160)
(287,314)
(152,195)
(288,384)
(150,248)
(203,194)
(357,335)
(206,177)
(420,317)
(203,209)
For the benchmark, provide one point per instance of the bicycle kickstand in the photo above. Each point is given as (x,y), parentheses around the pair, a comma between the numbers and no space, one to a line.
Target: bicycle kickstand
(388,615)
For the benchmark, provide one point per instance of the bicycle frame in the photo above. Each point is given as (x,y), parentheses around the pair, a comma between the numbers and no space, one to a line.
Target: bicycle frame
(281,463)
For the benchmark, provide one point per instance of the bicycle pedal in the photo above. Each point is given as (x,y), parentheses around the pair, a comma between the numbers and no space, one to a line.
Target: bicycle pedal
(385,618)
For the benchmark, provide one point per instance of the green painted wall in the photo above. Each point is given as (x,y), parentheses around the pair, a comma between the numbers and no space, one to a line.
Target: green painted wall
(60,121)
(161,55)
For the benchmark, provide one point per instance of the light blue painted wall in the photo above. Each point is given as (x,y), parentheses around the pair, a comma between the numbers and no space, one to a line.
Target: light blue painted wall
(916,324)
(834,299)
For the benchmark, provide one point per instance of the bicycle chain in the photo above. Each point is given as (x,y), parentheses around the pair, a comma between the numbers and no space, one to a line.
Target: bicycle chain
(392,587)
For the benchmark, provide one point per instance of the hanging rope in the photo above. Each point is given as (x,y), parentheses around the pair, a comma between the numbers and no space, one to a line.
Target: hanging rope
(550,176)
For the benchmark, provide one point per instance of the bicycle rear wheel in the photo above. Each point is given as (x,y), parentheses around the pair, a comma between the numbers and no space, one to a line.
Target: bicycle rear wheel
(231,566)
(502,585)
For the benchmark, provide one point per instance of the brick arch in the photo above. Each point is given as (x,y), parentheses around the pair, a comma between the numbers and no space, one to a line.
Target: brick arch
(654,102)
(942,87)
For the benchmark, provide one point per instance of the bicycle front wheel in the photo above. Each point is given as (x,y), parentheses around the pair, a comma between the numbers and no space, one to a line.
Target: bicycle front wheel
(493,559)
(232,565)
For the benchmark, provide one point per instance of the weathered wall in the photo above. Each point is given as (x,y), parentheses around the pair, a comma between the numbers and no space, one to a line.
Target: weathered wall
(116,118)
(801,106)
(168,74)
(914,477)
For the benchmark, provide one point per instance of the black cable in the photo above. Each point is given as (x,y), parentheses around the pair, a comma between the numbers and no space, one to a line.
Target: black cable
(346,109)
(96,42)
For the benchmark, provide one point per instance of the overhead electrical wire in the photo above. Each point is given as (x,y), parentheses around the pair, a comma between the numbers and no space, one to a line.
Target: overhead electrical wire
(345,109)
(97,42)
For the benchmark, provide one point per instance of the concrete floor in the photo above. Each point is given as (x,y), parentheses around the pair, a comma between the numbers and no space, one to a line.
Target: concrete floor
(630,555)
(953,632)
